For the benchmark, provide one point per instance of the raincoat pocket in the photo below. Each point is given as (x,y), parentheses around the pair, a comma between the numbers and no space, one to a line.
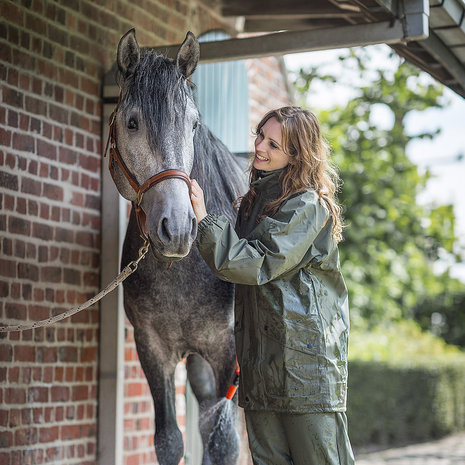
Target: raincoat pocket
(301,358)
(290,365)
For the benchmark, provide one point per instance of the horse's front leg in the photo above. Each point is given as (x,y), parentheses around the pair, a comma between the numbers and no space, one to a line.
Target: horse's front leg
(159,371)
(209,382)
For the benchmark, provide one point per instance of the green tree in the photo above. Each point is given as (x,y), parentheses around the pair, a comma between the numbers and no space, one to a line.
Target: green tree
(391,241)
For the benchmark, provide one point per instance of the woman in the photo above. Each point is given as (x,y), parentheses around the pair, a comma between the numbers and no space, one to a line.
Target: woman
(291,312)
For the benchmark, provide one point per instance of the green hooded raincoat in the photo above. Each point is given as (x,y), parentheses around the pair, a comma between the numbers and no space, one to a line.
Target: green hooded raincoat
(291,310)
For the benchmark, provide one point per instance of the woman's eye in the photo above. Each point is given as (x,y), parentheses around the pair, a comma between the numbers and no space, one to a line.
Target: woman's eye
(273,145)
(195,126)
(132,124)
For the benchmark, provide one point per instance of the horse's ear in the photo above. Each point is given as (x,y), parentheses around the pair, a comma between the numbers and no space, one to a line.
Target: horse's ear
(188,55)
(128,53)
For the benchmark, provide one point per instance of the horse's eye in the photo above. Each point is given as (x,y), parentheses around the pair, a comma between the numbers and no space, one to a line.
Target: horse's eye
(132,124)
(195,126)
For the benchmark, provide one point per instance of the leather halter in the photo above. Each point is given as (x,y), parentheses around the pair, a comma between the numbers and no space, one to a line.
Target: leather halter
(115,157)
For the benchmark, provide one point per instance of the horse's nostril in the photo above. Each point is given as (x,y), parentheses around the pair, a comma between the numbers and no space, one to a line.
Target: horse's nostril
(164,231)
(194,228)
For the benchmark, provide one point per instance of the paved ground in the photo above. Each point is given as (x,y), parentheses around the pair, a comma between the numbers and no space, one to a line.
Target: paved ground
(446,451)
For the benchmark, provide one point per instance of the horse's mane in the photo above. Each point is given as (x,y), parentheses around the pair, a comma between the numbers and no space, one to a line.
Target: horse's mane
(222,179)
(158,89)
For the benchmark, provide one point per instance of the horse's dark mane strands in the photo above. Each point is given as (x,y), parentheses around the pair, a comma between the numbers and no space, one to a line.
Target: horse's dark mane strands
(158,89)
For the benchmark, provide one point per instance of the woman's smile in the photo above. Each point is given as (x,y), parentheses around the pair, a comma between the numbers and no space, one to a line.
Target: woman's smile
(260,157)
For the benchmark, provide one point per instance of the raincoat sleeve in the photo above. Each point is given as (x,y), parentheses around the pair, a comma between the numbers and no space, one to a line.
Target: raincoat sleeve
(278,244)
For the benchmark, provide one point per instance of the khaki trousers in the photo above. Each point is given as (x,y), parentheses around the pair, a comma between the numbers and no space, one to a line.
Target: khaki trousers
(298,439)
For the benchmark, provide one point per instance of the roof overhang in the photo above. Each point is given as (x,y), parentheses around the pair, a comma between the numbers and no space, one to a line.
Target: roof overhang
(430,34)
(413,25)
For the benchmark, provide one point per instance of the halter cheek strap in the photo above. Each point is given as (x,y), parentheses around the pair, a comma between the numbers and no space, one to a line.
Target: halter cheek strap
(115,157)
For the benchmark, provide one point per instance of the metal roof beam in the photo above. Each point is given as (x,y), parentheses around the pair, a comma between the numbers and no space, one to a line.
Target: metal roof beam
(413,26)
(279,8)
(443,55)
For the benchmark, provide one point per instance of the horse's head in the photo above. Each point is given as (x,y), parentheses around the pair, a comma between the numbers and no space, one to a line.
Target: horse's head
(155,126)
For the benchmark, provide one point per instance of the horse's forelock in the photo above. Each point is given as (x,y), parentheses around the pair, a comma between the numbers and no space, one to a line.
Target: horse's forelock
(159,91)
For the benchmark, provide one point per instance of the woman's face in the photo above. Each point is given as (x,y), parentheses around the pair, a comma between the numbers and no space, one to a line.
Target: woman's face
(269,155)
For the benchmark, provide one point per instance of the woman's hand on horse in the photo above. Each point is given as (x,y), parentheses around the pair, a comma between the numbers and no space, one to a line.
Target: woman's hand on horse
(198,201)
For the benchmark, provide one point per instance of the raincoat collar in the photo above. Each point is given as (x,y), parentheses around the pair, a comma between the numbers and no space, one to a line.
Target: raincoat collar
(267,179)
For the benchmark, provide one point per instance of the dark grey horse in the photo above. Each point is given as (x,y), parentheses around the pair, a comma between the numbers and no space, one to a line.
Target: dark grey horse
(184,311)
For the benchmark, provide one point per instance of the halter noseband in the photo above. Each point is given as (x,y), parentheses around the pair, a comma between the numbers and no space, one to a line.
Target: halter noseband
(115,156)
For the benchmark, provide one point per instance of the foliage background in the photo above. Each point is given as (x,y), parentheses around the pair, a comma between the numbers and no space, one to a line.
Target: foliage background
(391,241)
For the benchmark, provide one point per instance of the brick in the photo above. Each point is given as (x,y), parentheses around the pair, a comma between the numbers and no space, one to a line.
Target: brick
(90,163)
(21,205)
(60,393)
(89,354)
(13,119)
(47,376)
(36,125)
(47,150)
(32,207)
(13,375)
(35,105)
(7,246)
(53,192)
(70,432)
(15,396)
(71,276)
(3,419)
(12,97)
(42,231)
(38,394)
(50,274)
(38,312)
(67,156)
(15,311)
(19,226)
(26,436)
(49,434)
(24,354)
(64,235)
(93,202)
(56,214)
(8,181)
(30,186)
(80,393)
(6,441)
(26,291)
(28,271)
(15,418)
(4,289)
(5,137)
(68,354)
(6,353)
(7,268)
(91,279)
(59,114)
(85,238)
(23,142)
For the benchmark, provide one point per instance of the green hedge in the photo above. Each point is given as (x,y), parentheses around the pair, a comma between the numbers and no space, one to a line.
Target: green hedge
(390,404)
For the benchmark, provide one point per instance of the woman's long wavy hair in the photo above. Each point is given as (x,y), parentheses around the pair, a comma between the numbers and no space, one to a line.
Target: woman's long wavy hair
(309,166)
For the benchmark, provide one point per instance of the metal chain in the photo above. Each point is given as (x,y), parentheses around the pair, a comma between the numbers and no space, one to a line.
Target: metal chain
(127,271)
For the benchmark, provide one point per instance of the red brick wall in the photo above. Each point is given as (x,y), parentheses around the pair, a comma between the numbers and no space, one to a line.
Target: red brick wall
(53,56)
(267,88)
